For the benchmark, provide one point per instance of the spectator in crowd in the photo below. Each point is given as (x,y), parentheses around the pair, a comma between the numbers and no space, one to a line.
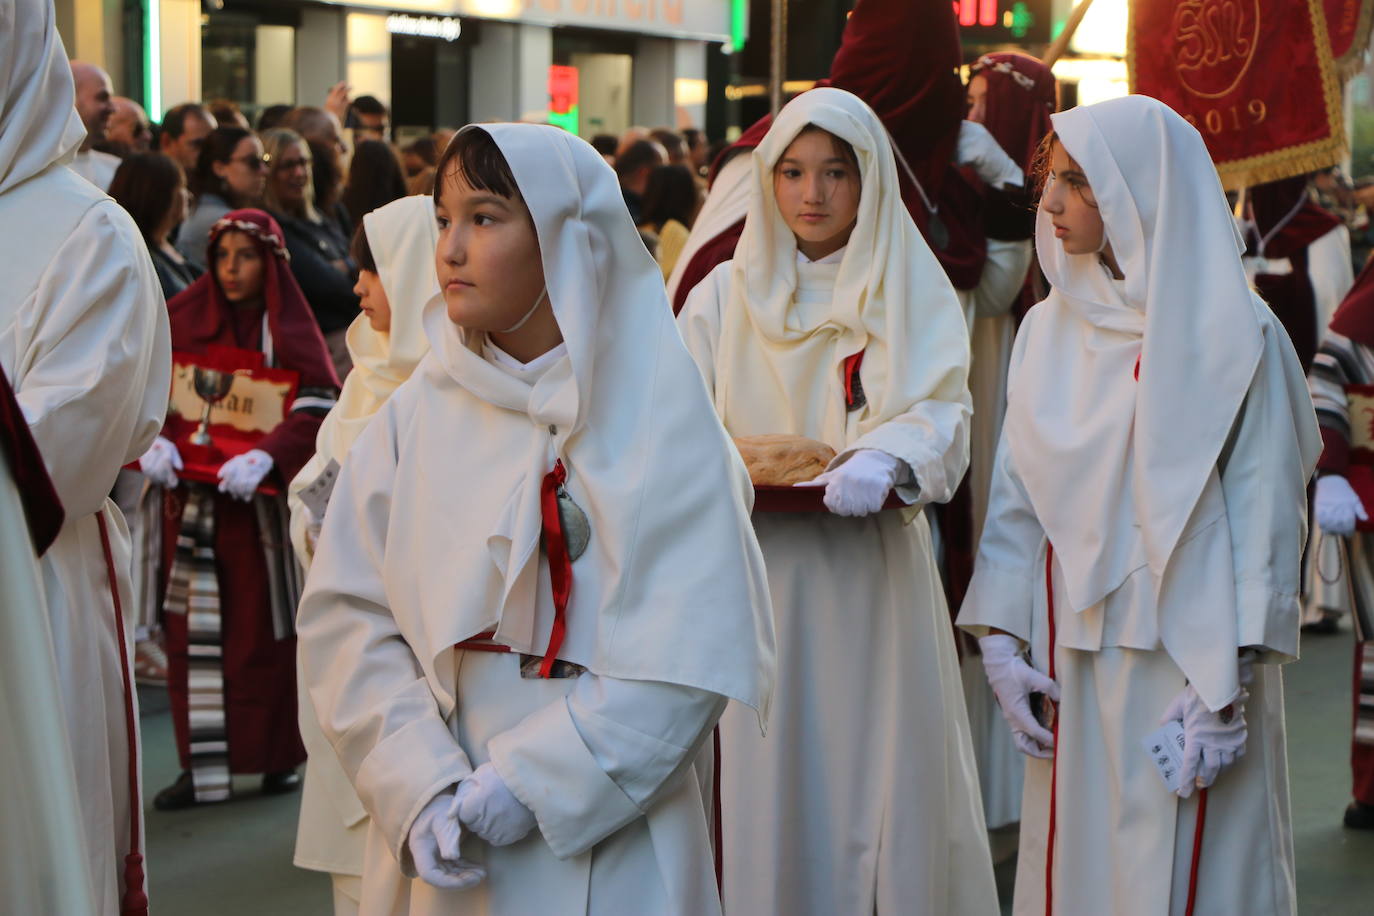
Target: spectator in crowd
(95,105)
(272,117)
(320,129)
(127,131)
(183,133)
(230,174)
(374,179)
(606,144)
(697,150)
(319,250)
(671,201)
(672,144)
(632,168)
(418,158)
(228,114)
(369,118)
(441,138)
(629,138)
(153,189)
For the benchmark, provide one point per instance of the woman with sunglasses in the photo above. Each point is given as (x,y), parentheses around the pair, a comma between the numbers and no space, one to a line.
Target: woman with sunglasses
(230,174)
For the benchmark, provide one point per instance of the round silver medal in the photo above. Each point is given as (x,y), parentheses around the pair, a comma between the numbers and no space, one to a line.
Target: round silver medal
(577,529)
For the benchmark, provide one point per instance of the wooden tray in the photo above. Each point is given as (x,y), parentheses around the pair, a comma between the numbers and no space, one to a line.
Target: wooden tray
(803,499)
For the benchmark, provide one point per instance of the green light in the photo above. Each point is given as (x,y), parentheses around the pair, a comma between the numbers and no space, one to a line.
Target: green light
(568,120)
(739,24)
(1021,20)
(1056,28)
(152,58)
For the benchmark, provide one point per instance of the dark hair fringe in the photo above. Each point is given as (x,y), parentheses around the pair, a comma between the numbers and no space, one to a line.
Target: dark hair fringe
(360,249)
(474,157)
(841,145)
(145,184)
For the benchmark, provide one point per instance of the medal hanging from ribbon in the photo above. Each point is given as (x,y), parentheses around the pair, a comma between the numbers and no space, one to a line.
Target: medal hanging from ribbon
(566,533)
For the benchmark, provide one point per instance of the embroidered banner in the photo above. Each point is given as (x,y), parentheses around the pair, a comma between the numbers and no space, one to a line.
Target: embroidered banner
(1255,77)
(1347,22)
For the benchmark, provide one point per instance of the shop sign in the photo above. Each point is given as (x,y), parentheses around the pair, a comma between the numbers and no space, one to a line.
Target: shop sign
(445,27)
(708,20)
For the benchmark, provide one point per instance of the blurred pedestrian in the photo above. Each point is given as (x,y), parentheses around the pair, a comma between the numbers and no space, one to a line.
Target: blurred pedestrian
(370,119)
(273,116)
(673,144)
(128,130)
(84,343)
(95,105)
(232,582)
(228,114)
(698,151)
(632,168)
(418,158)
(671,201)
(374,179)
(153,189)
(230,174)
(319,250)
(606,145)
(183,132)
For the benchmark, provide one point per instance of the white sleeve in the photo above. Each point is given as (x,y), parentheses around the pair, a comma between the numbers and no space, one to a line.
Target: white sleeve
(699,323)
(93,358)
(370,694)
(590,763)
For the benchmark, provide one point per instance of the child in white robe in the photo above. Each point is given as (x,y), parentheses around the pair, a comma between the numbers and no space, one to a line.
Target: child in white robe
(836,323)
(394,249)
(522,724)
(1143,538)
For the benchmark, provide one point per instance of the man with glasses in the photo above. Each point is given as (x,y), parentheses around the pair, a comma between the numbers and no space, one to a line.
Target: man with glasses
(128,131)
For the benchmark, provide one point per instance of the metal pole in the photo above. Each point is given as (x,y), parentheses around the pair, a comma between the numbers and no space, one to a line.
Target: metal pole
(777,53)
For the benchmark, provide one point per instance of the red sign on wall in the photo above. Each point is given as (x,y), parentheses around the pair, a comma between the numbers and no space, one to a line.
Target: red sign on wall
(562,89)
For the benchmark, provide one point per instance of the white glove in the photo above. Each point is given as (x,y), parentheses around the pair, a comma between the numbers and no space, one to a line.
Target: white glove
(240,475)
(161,462)
(1337,506)
(1014,680)
(433,844)
(979,149)
(486,805)
(1212,741)
(860,485)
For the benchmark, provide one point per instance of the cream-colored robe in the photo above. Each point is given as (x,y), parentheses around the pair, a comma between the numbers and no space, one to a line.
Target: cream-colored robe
(863,798)
(84,340)
(1000,765)
(1119,831)
(624,823)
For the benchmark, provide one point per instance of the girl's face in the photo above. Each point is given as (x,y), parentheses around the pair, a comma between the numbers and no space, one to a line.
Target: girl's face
(291,174)
(373,301)
(1071,206)
(246,171)
(487,257)
(817,189)
(977,98)
(238,267)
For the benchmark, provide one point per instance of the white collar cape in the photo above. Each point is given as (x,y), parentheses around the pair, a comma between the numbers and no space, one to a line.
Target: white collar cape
(402,236)
(672,586)
(39,126)
(1108,461)
(778,368)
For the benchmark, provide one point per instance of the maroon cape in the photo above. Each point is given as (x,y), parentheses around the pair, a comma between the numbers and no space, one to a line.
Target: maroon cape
(901,57)
(42,508)
(1290,221)
(259,669)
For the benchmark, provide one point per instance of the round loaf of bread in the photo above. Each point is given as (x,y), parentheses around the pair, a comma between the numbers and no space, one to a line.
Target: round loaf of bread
(778,460)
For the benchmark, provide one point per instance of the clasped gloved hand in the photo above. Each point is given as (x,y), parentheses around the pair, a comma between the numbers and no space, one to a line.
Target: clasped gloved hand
(240,475)
(860,485)
(487,807)
(161,462)
(1013,680)
(1212,741)
(433,842)
(1337,505)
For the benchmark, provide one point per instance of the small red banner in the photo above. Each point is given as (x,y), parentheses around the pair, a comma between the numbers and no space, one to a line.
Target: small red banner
(1255,77)
(1347,22)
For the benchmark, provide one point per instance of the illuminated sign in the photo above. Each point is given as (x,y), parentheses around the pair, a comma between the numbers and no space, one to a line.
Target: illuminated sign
(1003,21)
(445,27)
(563,110)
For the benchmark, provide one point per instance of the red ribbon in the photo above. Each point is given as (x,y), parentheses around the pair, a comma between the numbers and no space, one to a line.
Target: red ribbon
(560,564)
(852,365)
(135,901)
